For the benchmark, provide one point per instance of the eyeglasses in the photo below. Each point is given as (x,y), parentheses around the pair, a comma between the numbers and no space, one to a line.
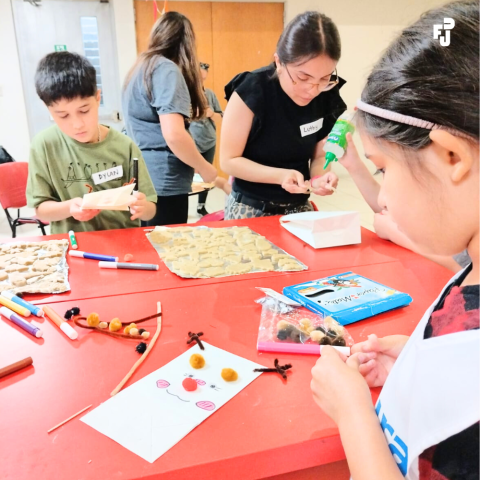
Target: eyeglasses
(323,86)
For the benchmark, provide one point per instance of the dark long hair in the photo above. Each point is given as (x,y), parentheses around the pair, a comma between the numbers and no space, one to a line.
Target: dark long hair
(309,35)
(172,37)
(417,76)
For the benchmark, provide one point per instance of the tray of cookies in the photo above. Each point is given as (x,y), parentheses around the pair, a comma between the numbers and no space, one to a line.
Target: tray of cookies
(34,267)
(202,252)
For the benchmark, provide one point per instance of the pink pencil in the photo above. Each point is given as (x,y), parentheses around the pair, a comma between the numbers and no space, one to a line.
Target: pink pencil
(306,348)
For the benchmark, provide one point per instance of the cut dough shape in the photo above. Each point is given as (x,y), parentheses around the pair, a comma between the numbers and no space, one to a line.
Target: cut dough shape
(214,271)
(27,260)
(252,256)
(3,276)
(16,268)
(160,237)
(291,266)
(41,266)
(264,265)
(17,280)
(238,268)
(263,245)
(211,262)
(188,270)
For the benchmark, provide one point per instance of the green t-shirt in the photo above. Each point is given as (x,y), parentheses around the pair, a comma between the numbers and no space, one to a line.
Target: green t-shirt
(60,168)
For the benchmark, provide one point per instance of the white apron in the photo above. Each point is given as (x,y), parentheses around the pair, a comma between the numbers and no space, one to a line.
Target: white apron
(431,393)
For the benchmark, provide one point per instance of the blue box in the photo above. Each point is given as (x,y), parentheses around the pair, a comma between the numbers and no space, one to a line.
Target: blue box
(347,297)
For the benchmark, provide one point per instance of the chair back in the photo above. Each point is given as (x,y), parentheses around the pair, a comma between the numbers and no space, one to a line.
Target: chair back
(13,184)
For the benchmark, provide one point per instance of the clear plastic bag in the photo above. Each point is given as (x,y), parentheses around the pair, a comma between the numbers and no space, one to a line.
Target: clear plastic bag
(282,323)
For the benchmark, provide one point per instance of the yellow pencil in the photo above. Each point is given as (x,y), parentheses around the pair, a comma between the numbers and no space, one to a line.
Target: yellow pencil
(14,306)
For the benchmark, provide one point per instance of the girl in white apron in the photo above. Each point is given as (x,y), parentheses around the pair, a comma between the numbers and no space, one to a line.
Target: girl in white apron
(418,119)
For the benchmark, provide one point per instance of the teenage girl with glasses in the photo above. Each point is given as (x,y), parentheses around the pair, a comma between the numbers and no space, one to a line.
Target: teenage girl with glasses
(276,118)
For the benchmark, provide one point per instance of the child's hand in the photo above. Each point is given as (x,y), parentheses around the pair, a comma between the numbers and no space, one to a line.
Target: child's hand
(294,182)
(337,384)
(78,213)
(351,157)
(384,225)
(139,205)
(208,172)
(383,351)
(324,185)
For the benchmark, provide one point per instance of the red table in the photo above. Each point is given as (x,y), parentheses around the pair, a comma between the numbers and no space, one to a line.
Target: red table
(270,428)
(88,281)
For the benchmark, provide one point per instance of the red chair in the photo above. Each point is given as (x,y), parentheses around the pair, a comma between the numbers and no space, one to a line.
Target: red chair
(13,183)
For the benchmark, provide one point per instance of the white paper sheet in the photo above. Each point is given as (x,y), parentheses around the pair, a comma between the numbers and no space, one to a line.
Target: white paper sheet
(168,412)
(112,199)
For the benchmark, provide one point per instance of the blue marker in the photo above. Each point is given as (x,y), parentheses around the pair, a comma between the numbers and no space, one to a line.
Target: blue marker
(37,311)
(92,256)
(28,327)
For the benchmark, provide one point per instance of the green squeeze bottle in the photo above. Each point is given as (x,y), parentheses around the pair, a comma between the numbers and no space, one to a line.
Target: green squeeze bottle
(337,139)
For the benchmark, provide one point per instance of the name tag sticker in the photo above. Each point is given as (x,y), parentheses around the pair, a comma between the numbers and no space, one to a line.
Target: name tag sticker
(310,128)
(106,175)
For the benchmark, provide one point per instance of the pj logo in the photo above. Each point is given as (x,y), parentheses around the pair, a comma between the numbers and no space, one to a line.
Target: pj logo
(448,24)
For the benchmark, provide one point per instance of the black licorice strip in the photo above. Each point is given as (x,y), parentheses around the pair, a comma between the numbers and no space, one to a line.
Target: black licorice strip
(135,173)
(280,369)
(195,337)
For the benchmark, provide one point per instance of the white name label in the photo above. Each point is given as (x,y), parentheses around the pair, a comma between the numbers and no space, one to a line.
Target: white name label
(106,175)
(310,128)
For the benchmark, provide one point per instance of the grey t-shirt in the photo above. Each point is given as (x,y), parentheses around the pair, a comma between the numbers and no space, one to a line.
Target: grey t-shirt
(203,131)
(170,175)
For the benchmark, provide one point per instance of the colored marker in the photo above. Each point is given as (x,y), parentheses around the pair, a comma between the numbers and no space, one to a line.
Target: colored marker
(128,266)
(73,240)
(92,256)
(28,327)
(37,311)
(307,348)
(135,173)
(15,367)
(25,312)
(60,323)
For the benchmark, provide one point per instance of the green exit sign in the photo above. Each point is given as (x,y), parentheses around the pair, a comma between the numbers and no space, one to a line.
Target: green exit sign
(60,48)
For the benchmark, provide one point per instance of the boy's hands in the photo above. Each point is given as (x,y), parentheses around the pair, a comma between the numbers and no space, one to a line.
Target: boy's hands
(337,383)
(381,356)
(81,215)
(139,206)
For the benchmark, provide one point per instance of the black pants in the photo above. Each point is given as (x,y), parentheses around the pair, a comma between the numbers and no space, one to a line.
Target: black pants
(209,155)
(170,210)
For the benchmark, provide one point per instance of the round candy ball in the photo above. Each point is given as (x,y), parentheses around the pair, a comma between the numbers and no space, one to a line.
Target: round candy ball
(93,319)
(115,325)
(128,257)
(197,361)
(133,331)
(103,325)
(128,328)
(189,384)
(229,374)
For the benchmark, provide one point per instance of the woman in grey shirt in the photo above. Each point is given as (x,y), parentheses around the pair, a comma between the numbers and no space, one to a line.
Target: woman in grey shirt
(204,132)
(162,93)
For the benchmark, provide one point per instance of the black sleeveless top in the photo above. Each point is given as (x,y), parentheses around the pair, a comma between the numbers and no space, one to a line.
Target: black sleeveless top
(275,139)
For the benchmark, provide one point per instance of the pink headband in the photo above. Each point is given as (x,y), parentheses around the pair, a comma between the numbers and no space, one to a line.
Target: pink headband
(415,122)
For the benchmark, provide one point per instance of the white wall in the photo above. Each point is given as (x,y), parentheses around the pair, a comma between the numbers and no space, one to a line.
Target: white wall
(366,28)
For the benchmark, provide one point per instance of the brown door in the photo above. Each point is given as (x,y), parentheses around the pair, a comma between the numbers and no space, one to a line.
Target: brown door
(232,37)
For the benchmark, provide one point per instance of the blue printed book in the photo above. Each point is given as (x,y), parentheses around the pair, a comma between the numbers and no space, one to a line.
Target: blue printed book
(347,297)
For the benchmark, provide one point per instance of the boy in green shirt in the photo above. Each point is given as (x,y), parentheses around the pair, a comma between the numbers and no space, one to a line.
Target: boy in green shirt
(78,155)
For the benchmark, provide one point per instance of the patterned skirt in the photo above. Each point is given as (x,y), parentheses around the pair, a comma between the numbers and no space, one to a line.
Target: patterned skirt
(235,210)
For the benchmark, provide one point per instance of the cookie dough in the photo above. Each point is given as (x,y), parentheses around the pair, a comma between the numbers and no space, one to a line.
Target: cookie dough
(238,269)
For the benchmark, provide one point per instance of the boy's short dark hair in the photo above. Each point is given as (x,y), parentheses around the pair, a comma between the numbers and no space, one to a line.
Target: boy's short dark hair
(65,75)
